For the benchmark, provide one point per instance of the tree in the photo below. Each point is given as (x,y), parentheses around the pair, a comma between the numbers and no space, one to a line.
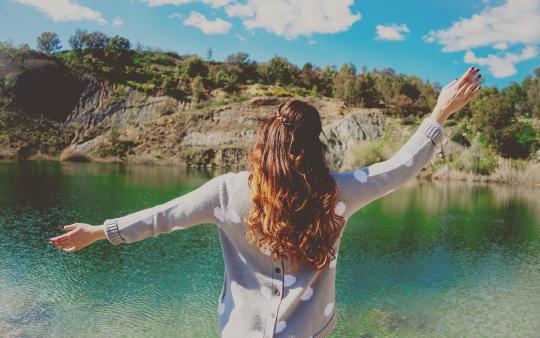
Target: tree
(48,42)
(192,66)
(77,40)
(307,76)
(117,53)
(96,40)
(197,88)
(278,70)
(344,85)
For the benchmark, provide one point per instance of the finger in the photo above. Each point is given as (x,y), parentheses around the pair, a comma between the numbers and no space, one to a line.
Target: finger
(70,227)
(474,92)
(470,88)
(477,80)
(63,240)
(467,73)
(57,238)
(468,77)
(471,94)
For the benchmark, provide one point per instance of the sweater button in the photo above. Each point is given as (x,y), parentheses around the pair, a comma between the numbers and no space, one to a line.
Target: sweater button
(276,292)
(278,270)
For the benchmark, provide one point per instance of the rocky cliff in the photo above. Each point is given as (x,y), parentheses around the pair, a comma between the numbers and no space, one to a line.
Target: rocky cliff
(218,136)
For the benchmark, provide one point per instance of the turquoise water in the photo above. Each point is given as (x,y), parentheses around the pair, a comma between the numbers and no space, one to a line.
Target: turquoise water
(428,260)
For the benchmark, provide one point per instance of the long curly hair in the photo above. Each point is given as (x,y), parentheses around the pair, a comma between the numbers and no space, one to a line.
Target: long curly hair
(293,194)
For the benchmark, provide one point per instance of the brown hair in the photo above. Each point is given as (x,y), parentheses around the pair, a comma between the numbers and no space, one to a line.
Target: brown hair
(293,194)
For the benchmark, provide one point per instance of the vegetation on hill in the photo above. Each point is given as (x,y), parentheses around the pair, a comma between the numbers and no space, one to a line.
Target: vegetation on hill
(499,122)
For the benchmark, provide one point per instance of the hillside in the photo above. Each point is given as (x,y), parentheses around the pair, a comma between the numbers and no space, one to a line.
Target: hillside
(158,108)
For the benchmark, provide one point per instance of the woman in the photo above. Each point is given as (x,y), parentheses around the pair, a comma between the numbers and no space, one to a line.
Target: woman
(280,223)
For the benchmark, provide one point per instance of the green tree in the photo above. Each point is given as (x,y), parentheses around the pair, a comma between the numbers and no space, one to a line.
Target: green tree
(48,42)
(197,88)
(278,70)
(192,66)
(77,40)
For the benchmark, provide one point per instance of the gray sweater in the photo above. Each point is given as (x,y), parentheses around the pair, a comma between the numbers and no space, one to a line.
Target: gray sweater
(260,297)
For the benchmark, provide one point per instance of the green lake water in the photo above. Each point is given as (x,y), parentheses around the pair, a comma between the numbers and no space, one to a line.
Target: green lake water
(428,260)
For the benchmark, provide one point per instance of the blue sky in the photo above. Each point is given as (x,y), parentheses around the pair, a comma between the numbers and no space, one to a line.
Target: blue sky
(436,40)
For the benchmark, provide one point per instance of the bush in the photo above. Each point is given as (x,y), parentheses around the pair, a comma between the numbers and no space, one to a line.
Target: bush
(478,159)
(364,153)
(460,138)
(518,140)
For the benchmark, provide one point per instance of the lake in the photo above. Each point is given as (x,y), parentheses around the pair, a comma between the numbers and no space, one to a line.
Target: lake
(428,260)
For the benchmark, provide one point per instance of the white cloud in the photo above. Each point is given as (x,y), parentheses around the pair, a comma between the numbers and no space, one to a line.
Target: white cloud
(500,26)
(502,65)
(291,19)
(240,37)
(513,22)
(500,46)
(176,15)
(118,21)
(392,32)
(200,21)
(64,10)
(213,3)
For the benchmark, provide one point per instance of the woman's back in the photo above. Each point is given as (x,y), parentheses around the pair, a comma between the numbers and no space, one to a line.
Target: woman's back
(262,297)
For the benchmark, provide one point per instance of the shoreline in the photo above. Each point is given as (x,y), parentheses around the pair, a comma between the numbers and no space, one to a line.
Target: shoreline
(440,176)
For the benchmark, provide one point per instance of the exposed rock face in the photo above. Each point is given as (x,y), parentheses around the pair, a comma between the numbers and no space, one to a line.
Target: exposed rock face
(224,136)
(356,126)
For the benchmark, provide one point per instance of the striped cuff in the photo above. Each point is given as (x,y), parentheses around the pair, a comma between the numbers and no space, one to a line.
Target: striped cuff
(112,232)
(432,129)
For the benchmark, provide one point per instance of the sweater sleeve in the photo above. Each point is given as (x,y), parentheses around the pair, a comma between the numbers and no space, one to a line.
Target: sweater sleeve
(190,209)
(364,185)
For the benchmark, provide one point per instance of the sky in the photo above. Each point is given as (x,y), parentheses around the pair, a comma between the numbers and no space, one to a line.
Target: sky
(436,40)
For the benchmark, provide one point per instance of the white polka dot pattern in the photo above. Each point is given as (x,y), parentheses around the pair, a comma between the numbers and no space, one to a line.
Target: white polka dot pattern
(340,208)
(328,309)
(280,326)
(307,294)
(289,280)
(360,176)
(218,213)
(221,308)
(233,216)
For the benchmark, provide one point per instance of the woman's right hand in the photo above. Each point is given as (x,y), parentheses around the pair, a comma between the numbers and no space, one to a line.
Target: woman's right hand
(457,94)
(80,235)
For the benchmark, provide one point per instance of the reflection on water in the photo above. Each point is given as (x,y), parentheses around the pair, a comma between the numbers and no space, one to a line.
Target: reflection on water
(429,260)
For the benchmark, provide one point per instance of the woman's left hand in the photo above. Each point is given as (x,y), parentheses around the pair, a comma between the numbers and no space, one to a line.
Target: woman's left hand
(457,94)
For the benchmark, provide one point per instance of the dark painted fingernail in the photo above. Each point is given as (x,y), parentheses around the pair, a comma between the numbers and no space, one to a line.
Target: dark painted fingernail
(480,75)
(61,227)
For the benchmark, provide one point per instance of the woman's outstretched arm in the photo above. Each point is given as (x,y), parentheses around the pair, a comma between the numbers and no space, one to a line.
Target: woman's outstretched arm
(195,207)
(364,185)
